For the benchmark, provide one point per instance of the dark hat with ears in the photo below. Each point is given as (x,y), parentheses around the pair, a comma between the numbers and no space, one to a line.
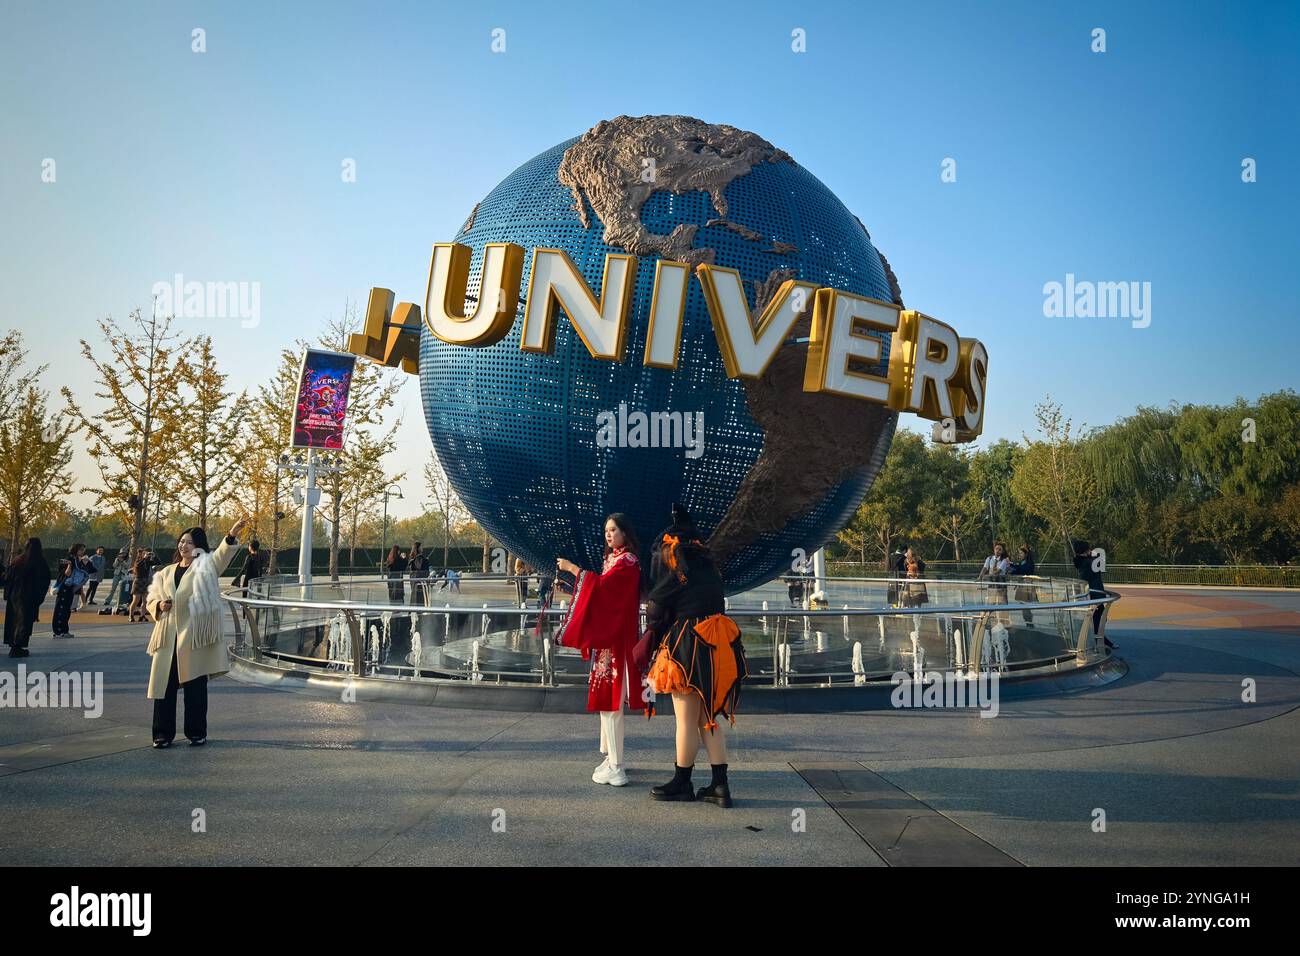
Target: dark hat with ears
(683,525)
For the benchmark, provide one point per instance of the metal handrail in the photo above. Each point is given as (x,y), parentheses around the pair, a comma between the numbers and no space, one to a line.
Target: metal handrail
(236,595)
(976,618)
(508,610)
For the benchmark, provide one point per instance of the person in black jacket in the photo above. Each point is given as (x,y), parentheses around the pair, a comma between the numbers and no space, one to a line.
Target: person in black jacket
(25,584)
(74,572)
(701,659)
(1086,565)
(418,567)
(1023,566)
(141,575)
(254,564)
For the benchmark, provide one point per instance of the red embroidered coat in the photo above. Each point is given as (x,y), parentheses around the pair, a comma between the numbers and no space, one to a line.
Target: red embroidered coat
(605,625)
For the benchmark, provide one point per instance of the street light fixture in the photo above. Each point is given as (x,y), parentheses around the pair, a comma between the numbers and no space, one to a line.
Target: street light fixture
(993,531)
(308,465)
(390,491)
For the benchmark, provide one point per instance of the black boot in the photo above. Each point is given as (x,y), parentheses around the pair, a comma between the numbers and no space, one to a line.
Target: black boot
(718,791)
(678,788)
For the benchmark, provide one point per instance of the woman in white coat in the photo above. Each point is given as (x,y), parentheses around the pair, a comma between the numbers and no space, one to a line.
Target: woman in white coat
(185,602)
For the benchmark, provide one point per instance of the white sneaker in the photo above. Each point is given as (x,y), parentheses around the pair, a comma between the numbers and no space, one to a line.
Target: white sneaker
(601,773)
(617,777)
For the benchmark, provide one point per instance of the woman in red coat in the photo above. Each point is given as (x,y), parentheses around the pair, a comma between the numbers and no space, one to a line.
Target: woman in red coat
(604,625)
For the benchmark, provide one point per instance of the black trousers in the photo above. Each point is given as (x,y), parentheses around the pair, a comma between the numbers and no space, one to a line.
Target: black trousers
(196,708)
(1098,611)
(62,609)
(90,596)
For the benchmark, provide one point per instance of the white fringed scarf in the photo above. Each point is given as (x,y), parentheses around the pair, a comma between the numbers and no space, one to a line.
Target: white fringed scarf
(203,604)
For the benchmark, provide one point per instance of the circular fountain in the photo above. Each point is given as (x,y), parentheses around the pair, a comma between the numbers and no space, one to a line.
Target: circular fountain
(835,645)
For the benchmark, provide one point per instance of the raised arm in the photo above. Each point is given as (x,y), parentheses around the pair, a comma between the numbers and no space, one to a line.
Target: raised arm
(225,552)
(598,602)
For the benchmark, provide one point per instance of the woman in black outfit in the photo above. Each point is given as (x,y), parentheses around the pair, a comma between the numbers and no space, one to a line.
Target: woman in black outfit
(418,566)
(700,661)
(141,574)
(396,565)
(25,584)
(1083,563)
(72,577)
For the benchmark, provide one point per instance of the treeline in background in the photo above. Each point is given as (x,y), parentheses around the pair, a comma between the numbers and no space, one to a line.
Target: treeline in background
(1184,485)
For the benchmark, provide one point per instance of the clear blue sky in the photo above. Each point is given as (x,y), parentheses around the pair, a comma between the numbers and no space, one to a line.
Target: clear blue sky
(1119,166)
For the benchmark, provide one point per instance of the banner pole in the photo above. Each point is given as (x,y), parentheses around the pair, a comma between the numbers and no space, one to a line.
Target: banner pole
(309,498)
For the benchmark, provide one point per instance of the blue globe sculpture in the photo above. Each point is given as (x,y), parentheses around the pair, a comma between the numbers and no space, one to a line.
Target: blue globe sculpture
(516,432)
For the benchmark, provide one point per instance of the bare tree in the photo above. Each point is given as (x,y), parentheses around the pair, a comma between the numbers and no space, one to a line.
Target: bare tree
(139,382)
(1053,480)
(15,377)
(447,502)
(34,458)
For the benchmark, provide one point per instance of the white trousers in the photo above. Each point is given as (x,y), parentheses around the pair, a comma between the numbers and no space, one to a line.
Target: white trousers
(611,730)
(611,736)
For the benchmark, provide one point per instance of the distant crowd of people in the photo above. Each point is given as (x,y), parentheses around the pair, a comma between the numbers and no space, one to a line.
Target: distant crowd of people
(425,579)
(74,583)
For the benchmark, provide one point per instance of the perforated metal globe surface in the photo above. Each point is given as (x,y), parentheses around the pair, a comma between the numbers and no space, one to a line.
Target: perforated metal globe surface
(516,432)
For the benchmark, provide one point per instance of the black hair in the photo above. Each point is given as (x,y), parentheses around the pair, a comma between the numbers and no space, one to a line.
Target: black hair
(30,555)
(198,536)
(624,524)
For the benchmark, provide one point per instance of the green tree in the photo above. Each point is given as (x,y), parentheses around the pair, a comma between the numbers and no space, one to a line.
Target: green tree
(892,508)
(994,509)
(945,511)
(1234,525)
(208,430)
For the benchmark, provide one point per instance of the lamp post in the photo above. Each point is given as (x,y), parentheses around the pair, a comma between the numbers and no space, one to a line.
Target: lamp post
(309,464)
(158,497)
(396,492)
(993,531)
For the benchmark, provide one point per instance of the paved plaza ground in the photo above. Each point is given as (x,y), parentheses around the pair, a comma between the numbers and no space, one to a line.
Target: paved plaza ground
(1184,770)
